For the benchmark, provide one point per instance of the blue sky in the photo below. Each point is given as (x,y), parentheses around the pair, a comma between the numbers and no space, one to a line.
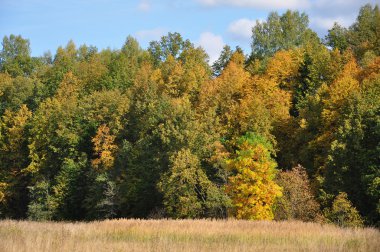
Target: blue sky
(208,23)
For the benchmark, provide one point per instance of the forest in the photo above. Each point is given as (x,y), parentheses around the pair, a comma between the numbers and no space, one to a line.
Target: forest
(288,131)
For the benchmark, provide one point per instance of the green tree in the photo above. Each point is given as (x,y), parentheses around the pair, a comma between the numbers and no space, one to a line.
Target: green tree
(172,44)
(353,158)
(15,56)
(187,192)
(280,33)
(41,206)
(142,157)
(102,198)
(64,62)
(126,63)
(337,37)
(69,189)
(342,213)
(364,34)
(222,61)
(14,92)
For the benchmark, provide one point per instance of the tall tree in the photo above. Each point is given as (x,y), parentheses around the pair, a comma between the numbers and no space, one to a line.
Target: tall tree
(280,33)
(187,192)
(252,188)
(15,56)
(172,44)
(364,34)
(13,159)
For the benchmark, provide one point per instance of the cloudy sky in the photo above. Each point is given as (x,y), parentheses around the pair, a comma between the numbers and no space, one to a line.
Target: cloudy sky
(208,23)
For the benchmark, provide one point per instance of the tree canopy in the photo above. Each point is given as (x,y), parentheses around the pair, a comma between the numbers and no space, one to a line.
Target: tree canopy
(290,132)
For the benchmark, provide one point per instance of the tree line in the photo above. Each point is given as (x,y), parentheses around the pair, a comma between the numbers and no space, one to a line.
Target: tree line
(289,131)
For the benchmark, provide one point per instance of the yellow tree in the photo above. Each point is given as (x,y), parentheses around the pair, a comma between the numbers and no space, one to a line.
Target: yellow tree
(230,96)
(283,67)
(104,148)
(252,187)
(13,158)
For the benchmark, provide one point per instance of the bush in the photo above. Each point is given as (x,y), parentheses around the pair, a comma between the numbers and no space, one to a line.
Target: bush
(342,213)
(298,201)
(41,207)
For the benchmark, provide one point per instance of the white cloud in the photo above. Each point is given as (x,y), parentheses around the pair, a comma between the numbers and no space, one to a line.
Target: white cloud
(241,28)
(153,34)
(327,23)
(261,4)
(213,45)
(323,13)
(332,5)
(144,6)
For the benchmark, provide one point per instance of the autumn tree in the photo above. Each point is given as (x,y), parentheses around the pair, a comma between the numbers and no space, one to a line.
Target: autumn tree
(104,148)
(13,159)
(91,134)
(252,188)
(231,97)
(343,213)
(298,201)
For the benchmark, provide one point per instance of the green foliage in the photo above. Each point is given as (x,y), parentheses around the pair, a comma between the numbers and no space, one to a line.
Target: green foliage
(187,192)
(101,201)
(364,33)
(41,206)
(342,213)
(353,161)
(15,56)
(222,61)
(89,134)
(15,92)
(125,65)
(69,189)
(171,44)
(362,36)
(337,37)
(280,33)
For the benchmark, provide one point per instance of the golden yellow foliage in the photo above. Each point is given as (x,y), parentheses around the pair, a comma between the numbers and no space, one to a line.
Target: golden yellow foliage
(284,67)
(104,148)
(14,123)
(252,189)
(344,86)
(69,87)
(3,187)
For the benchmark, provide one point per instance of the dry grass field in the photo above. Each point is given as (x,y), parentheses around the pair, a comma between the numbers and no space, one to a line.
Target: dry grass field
(183,235)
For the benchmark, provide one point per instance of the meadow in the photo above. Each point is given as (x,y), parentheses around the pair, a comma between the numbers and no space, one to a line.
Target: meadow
(183,235)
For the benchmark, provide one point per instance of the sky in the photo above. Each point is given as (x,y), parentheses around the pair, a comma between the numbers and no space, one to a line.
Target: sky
(207,23)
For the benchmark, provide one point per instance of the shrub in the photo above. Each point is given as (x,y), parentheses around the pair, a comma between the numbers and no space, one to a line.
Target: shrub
(343,213)
(298,201)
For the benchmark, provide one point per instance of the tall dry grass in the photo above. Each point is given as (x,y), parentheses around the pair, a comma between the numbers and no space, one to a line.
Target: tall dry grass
(183,235)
